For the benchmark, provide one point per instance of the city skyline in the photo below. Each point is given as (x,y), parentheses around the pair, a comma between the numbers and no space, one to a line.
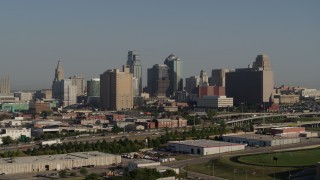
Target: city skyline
(93,37)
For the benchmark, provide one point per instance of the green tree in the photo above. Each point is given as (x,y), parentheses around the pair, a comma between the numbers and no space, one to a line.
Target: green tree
(7,140)
(169,173)
(83,171)
(63,173)
(92,176)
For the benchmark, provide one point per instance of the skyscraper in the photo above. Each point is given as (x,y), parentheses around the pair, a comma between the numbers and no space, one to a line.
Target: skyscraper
(253,84)
(116,89)
(93,87)
(80,84)
(135,66)
(192,83)
(59,72)
(158,80)
(203,78)
(64,91)
(218,77)
(5,85)
(175,73)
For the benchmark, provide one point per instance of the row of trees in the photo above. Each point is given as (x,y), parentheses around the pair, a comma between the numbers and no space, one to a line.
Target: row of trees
(122,145)
(115,147)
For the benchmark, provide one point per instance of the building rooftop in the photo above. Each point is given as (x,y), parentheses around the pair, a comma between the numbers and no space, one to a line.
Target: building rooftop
(204,143)
(259,136)
(282,128)
(51,158)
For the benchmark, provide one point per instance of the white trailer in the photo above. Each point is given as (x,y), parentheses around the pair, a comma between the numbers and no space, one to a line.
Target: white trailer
(50,142)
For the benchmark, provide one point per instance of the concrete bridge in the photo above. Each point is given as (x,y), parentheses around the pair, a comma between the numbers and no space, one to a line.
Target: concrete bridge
(255,117)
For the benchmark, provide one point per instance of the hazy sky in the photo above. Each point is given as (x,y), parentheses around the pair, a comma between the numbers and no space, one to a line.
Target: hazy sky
(92,36)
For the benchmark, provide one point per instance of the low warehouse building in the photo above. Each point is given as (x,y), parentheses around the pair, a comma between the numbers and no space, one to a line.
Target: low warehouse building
(260,140)
(56,162)
(203,147)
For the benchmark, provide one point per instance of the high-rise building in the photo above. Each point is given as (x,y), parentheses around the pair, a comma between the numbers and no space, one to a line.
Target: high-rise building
(43,94)
(64,91)
(59,72)
(218,77)
(116,89)
(175,73)
(5,85)
(80,84)
(135,66)
(158,80)
(192,83)
(93,87)
(203,78)
(252,85)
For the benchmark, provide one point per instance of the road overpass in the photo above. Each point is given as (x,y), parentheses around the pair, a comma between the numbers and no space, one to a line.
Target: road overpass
(240,122)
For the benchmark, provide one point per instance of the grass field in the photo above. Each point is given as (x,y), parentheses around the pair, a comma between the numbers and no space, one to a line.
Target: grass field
(228,169)
(293,158)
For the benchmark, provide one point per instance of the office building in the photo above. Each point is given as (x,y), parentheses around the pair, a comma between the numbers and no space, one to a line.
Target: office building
(23,96)
(93,87)
(116,89)
(158,80)
(59,75)
(43,94)
(218,77)
(5,87)
(64,91)
(192,84)
(215,102)
(211,91)
(175,73)
(204,80)
(251,85)
(135,66)
(80,83)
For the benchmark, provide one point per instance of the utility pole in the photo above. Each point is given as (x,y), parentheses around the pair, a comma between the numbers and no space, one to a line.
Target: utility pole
(194,117)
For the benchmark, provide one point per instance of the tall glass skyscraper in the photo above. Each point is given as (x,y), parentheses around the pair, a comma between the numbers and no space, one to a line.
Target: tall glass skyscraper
(158,80)
(135,66)
(175,73)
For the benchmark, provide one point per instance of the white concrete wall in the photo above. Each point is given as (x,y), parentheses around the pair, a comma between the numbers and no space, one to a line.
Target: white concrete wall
(222,149)
(37,166)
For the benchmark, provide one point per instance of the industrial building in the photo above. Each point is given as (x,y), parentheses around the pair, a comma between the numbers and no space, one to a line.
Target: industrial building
(259,140)
(14,133)
(56,162)
(203,147)
(144,163)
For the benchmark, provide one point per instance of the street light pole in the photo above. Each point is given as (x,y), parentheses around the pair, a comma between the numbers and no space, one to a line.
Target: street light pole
(194,117)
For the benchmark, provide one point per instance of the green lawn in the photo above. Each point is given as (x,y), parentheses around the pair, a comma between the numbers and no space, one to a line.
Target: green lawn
(225,168)
(293,158)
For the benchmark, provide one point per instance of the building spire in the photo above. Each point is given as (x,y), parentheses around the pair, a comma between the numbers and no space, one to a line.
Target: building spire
(59,71)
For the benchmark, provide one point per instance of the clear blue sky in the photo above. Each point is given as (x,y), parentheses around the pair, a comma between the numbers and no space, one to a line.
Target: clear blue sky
(92,36)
